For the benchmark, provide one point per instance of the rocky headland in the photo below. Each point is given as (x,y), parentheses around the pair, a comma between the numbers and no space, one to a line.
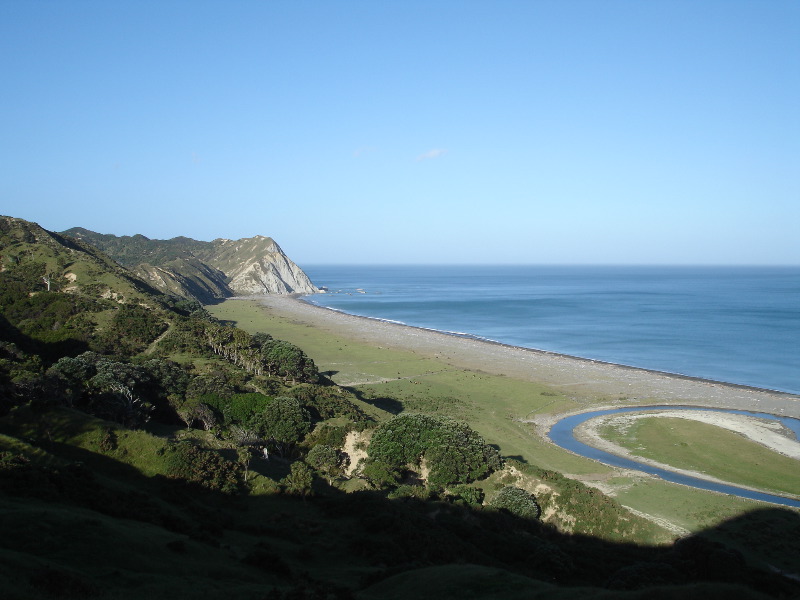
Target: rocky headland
(204,271)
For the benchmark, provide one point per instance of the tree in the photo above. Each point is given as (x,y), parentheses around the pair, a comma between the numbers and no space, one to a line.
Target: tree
(186,461)
(244,456)
(454,452)
(298,481)
(283,422)
(326,460)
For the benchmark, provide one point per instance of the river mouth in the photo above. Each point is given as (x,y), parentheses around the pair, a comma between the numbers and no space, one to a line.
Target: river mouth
(563,434)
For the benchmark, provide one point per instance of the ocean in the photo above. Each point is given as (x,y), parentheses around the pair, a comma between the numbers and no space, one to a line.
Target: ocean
(734,324)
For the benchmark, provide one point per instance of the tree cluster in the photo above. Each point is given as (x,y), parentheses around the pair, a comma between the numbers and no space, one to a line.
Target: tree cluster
(452,450)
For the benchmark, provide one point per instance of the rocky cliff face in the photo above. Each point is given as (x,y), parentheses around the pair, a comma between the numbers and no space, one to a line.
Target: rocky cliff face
(259,266)
(205,270)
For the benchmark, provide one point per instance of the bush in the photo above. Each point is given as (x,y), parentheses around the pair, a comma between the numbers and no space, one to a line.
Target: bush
(240,408)
(467,495)
(283,422)
(326,460)
(416,492)
(298,481)
(191,463)
(518,502)
(454,452)
(328,402)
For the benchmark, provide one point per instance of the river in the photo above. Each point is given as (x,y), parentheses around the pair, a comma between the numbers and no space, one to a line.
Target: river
(562,434)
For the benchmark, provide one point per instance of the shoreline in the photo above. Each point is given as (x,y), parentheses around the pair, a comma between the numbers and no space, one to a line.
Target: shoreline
(470,336)
(580,378)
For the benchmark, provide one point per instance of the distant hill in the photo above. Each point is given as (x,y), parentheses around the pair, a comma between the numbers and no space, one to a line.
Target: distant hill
(205,271)
(68,264)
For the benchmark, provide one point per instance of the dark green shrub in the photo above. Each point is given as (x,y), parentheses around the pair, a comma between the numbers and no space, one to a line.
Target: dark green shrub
(330,435)
(327,402)
(453,451)
(241,408)
(283,423)
(417,492)
(326,460)
(298,481)
(468,495)
(208,468)
(518,502)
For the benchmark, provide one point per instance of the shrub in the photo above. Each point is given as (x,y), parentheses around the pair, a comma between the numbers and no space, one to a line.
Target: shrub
(208,468)
(468,495)
(454,452)
(298,481)
(326,460)
(518,502)
(283,422)
(240,408)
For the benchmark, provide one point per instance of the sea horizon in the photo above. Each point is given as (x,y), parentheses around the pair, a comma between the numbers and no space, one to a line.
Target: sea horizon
(735,324)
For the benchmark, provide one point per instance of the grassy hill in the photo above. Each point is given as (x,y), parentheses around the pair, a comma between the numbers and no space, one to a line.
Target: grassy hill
(150,450)
(203,271)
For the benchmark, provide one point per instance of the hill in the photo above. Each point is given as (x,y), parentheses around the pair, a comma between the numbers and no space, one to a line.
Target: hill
(150,450)
(204,271)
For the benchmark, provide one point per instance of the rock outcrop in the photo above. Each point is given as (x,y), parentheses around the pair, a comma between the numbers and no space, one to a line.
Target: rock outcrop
(258,266)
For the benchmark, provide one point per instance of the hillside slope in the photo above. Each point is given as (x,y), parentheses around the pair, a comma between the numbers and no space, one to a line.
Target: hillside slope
(205,271)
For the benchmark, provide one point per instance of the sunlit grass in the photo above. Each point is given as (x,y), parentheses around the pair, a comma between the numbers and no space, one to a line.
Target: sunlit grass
(493,405)
(708,449)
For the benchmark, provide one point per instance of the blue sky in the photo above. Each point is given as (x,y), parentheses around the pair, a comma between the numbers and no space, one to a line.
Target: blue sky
(570,131)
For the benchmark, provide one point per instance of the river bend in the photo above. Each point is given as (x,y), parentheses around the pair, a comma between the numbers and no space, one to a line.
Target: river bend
(562,434)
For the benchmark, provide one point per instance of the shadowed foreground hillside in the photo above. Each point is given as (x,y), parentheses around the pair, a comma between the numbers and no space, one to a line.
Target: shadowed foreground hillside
(150,450)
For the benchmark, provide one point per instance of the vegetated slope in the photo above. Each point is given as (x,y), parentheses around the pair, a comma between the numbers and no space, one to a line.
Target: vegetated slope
(205,271)
(134,436)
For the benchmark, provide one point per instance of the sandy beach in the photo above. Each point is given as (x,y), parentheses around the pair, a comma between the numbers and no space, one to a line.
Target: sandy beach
(582,379)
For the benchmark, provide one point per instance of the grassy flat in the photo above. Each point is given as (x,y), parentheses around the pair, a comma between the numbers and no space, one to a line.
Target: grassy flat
(397,379)
(492,404)
(709,449)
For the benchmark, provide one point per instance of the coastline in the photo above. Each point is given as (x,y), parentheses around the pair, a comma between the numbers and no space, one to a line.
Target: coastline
(585,380)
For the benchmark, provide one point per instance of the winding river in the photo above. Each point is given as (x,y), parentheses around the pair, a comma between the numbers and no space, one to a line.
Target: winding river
(562,434)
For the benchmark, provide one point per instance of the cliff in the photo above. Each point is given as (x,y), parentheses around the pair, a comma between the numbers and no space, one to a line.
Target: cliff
(205,271)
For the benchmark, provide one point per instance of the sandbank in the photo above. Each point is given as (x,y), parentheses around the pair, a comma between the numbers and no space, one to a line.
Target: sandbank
(585,380)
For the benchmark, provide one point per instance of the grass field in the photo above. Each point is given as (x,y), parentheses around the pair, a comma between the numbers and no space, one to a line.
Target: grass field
(708,449)
(391,380)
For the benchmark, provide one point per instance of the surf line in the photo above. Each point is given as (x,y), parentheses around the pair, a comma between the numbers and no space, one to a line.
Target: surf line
(562,434)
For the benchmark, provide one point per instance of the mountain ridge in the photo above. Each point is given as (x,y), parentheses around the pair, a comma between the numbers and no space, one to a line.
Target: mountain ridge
(204,271)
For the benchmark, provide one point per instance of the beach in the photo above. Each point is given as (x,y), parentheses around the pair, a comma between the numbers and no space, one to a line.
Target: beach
(586,381)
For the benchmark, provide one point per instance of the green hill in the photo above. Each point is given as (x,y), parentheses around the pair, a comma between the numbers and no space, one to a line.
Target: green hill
(149,450)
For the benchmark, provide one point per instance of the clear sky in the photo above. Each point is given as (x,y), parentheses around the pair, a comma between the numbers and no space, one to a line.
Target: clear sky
(433,131)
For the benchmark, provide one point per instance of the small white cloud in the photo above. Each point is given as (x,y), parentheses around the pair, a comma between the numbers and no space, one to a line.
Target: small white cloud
(364,150)
(434,153)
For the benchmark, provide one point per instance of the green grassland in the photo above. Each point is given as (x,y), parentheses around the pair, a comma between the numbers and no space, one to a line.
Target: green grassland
(708,449)
(396,380)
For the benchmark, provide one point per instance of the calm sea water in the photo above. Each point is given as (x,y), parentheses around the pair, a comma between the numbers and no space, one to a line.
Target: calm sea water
(734,324)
